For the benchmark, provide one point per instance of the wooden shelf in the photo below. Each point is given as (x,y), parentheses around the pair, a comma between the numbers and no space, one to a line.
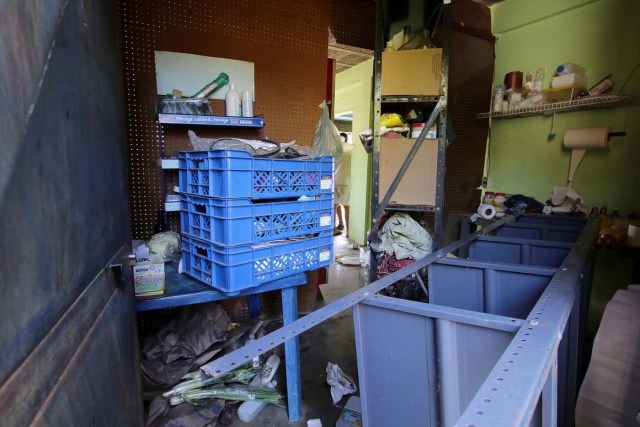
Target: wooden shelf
(590,102)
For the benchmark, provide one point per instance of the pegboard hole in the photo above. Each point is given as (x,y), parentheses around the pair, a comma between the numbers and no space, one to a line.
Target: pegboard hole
(486,400)
(479,412)
(499,379)
(493,389)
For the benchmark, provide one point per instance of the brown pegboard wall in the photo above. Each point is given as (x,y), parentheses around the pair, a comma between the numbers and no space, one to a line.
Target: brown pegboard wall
(353,22)
(287,42)
(470,77)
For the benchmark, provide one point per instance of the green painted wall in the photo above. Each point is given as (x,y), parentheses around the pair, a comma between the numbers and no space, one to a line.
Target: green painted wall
(604,37)
(353,93)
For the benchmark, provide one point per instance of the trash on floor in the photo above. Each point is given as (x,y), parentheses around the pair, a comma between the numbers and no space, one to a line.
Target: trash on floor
(185,401)
(250,409)
(351,415)
(349,260)
(340,382)
(183,344)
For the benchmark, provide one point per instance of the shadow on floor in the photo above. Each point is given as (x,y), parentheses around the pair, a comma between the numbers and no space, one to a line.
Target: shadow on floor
(332,341)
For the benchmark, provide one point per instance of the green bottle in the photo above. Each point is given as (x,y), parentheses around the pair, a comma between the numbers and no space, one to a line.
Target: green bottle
(220,81)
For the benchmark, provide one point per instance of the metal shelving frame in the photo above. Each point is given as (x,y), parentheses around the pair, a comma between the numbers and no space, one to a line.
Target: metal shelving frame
(439,113)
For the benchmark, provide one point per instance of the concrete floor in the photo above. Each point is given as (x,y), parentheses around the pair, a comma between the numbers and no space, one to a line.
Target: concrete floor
(332,341)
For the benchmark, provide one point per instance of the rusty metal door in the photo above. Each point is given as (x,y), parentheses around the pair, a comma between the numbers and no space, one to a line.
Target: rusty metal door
(67,322)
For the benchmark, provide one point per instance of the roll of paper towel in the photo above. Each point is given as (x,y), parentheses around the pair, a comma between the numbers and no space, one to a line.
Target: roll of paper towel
(581,140)
(486,211)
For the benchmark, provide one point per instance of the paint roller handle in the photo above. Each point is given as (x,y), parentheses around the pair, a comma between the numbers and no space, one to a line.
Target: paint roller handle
(617,134)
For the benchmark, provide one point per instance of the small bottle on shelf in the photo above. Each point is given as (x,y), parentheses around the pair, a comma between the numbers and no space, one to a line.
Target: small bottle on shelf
(232,102)
(488,197)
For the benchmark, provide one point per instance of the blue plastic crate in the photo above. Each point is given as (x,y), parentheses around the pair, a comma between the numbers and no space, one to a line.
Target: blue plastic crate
(234,268)
(243,221)
(235,174)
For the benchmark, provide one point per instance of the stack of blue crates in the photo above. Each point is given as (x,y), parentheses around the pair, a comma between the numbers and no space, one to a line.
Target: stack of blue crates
(246,221)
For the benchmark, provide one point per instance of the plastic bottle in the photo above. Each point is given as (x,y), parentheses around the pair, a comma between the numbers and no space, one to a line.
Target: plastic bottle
(251,408)
(497,99)
(488,197)
(247,104)
(232,102)
(569,68)
(498,200)
(406,36)
(219,81)
(539,81)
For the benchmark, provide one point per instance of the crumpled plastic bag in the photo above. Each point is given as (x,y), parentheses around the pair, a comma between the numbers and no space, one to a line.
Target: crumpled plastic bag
(392,120)
(327,141)
(163,245)
(340,382)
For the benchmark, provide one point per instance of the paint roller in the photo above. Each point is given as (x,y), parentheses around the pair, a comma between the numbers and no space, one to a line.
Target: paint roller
(581,140)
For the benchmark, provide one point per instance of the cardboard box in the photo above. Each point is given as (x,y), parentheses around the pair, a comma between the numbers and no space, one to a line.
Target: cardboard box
(418,186)
(569,80)
(412,72)
(561,94)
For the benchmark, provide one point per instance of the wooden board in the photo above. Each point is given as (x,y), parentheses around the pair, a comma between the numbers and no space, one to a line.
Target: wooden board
(418,186)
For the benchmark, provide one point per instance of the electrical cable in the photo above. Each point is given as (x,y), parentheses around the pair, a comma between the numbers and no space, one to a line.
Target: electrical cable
(628,77)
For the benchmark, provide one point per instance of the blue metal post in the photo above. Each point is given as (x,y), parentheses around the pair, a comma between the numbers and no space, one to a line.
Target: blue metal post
(292,354)
(253,301)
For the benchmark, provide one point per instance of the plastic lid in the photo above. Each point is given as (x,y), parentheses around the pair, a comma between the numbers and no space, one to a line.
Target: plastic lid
(488,192)
(500,194)
(232,86)
(418,125)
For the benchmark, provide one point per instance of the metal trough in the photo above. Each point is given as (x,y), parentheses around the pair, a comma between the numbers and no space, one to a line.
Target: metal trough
(500,343)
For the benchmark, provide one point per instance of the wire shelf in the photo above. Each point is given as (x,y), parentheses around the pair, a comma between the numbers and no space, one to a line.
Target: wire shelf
(596,101)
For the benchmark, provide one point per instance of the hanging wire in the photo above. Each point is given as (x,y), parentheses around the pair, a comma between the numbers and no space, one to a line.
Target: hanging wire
(628,77)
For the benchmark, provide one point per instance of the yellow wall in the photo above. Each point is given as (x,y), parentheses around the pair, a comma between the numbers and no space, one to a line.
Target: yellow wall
(603,36)
(353,93)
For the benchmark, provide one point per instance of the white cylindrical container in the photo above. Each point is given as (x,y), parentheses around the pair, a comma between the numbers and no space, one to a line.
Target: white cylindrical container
(248,410)
(232,102)
(488,197)
(247,104)
(416,129)
(497,102)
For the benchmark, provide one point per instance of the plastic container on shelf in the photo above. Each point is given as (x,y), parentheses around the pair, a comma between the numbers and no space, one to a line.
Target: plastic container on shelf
(488,197)
(247,104)
(568,68)
(234,268)
(243,221)
(236,174)
(232,102)
(416,129)
(498,201)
